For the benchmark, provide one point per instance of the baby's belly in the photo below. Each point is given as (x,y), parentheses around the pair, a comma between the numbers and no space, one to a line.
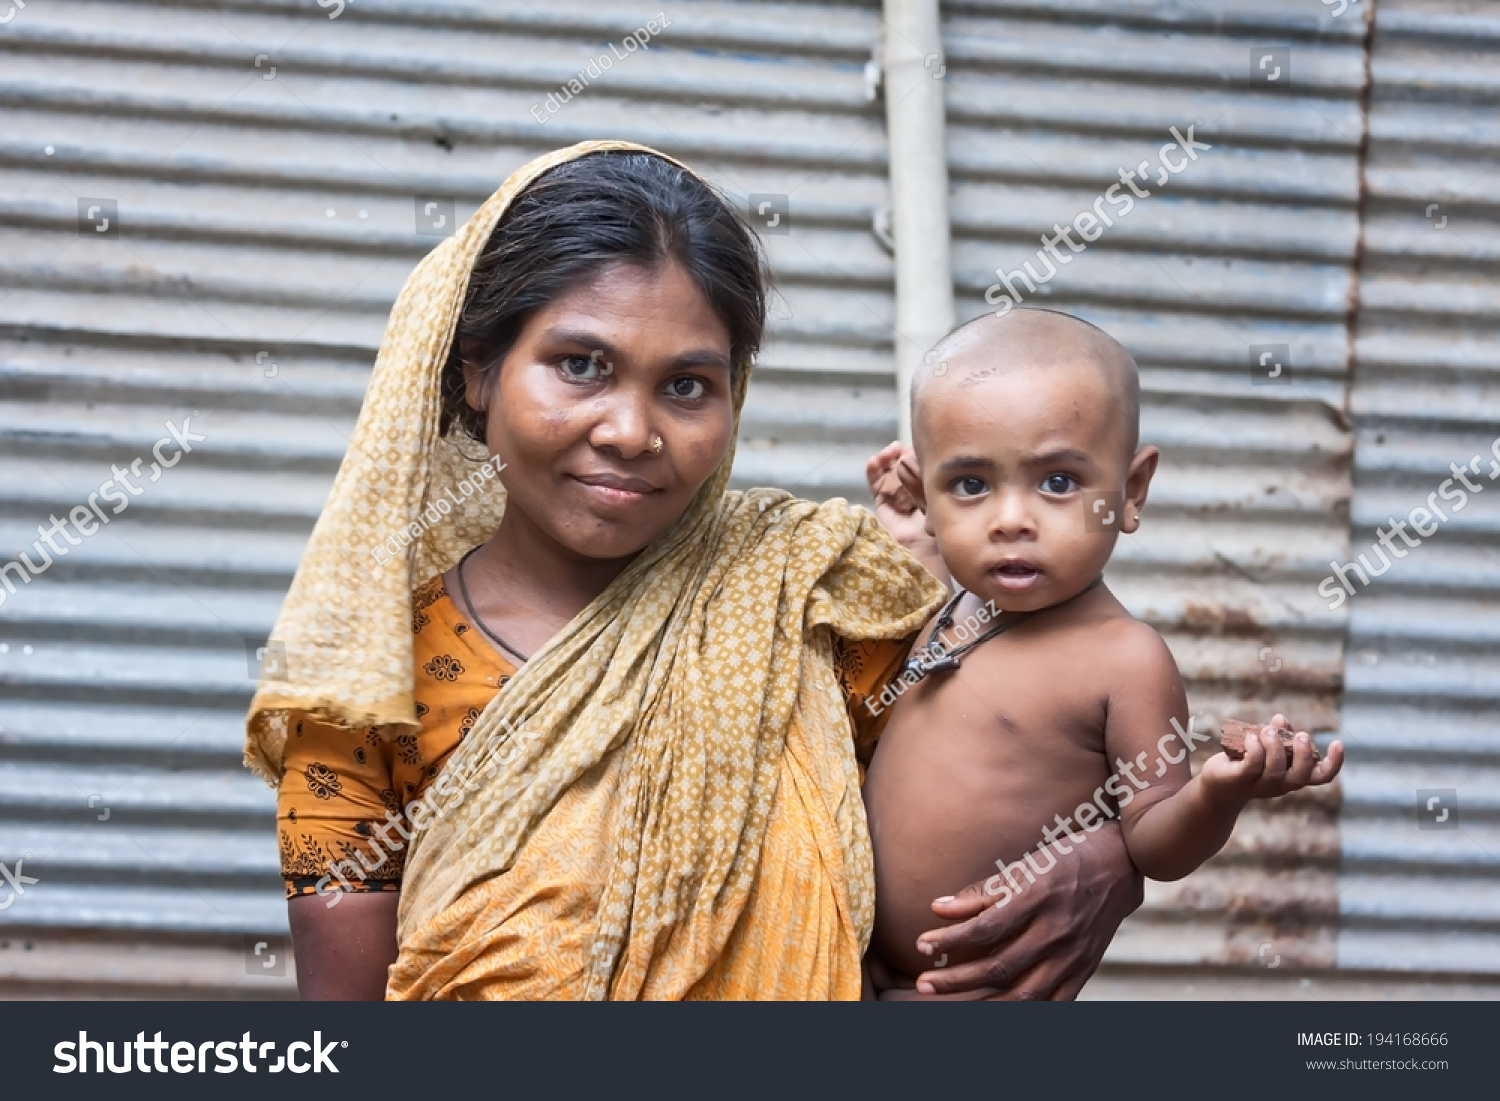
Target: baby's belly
(945,807)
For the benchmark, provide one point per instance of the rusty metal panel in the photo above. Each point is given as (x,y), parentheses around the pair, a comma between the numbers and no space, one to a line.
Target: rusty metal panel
(1419,888)
(1245,247)
(265,168)
(270,164)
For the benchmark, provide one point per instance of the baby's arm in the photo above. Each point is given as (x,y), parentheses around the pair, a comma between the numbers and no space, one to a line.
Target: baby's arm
(1177,821)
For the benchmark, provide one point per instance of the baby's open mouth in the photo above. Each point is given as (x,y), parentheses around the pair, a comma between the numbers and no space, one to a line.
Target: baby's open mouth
(1013,575)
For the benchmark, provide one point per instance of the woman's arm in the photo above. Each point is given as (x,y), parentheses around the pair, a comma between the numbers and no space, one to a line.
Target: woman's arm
(335,790)
(343,952)
(1048,939)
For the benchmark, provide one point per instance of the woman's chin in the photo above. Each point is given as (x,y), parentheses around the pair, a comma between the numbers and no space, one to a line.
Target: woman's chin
(605,540)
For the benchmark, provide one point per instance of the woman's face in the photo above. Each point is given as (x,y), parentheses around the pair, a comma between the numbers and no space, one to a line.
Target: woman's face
(594,379)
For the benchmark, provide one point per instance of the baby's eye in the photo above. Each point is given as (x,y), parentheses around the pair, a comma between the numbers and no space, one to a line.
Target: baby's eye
(1059,484)
(969,487)
(587,368)
(686,387)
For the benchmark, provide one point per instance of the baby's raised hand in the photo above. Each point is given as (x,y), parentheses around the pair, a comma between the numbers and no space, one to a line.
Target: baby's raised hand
(1269,766)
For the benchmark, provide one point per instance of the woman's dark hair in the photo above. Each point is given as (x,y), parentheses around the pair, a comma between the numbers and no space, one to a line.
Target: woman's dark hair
(571,222)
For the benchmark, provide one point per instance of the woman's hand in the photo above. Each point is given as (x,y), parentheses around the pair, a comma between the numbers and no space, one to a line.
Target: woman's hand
(897,509)
(343,952)
(1048,939)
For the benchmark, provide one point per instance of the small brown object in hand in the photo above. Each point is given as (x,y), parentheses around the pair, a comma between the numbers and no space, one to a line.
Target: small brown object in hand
(1232,739)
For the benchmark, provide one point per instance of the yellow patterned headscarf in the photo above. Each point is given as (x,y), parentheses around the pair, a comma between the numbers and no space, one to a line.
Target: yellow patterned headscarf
(692,664)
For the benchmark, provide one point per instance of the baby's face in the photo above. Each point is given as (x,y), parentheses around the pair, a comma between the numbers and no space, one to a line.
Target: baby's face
(1007,464)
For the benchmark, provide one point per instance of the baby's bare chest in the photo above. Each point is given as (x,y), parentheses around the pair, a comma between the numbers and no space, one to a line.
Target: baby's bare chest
(1028,691)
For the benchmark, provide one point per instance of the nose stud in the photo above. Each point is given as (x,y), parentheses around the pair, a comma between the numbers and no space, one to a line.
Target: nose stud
(657,444)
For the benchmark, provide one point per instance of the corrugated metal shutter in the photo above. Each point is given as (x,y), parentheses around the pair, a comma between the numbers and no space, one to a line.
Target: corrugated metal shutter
(1253,243)
(267,221)
(266,164)
(1419,893)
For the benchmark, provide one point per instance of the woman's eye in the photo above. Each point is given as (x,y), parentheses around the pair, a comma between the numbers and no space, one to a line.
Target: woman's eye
(1059,484)
(969,487)
(686,387)
(586,368)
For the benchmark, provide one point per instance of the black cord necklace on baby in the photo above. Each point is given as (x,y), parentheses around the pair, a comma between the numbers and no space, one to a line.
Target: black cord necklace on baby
(933,658)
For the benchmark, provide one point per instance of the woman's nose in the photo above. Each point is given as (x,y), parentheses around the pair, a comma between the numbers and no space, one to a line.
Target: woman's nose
(624,424)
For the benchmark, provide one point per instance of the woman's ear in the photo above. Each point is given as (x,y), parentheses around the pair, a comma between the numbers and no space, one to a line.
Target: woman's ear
(477,377)
(1137,483)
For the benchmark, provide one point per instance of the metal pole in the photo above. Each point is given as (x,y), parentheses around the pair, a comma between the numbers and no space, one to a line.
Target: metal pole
(917,127)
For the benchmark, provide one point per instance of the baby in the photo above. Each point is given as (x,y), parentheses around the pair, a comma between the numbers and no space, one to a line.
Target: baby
(1035,706)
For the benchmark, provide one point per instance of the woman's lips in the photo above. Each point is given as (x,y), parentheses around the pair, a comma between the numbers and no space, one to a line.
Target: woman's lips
(1016,576)
(614,489)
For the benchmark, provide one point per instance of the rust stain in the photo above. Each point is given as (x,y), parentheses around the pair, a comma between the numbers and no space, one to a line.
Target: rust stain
(1218,619)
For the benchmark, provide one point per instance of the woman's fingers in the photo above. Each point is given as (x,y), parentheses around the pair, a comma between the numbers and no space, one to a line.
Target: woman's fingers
(1008,979)
(882,463)
(1043,983)
(977,974)
(1051,927)
(968,902)
(981,928)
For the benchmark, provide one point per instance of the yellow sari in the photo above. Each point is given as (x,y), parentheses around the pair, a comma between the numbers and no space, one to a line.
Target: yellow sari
(673,809)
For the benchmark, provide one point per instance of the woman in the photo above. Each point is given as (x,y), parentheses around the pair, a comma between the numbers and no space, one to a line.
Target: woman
(651,682)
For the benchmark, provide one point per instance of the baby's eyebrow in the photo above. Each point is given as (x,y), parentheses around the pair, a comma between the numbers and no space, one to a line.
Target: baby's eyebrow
(963,462)
(1062,455)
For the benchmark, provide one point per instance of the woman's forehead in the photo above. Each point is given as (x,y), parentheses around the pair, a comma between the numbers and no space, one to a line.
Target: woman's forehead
(627,303)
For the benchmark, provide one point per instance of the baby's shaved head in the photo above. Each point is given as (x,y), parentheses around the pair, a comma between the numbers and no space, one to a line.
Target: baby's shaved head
(1031,340)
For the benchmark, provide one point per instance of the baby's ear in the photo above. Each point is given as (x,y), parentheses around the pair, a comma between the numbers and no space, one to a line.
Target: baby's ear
(910,474)
(1137,485)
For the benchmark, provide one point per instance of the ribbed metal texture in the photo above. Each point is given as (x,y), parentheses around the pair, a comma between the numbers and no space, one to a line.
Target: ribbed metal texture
(265,223)
(1419,891)
(1249,243)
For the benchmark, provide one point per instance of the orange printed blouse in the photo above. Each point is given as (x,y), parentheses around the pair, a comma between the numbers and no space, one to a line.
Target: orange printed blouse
(340,786)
